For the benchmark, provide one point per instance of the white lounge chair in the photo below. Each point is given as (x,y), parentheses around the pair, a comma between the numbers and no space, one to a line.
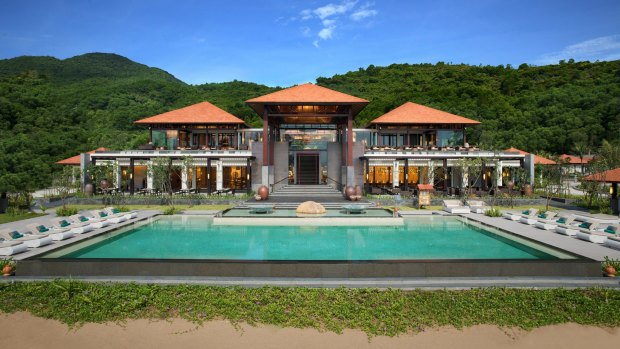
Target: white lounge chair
(76,228)
(613,240)
(31,241)
(9,248)
(100,214)
(55,234)
(551,224)
(455,207)
(529,216)
(588,232)
(92,221)
(115,211)
(517,216)
(478,206)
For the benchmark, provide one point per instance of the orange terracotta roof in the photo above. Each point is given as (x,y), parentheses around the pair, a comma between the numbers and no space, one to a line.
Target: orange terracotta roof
(75,160)
(425,187)
(538,160)
(609,176)
(575,160)
(412,113)
(309,94)
(200,113)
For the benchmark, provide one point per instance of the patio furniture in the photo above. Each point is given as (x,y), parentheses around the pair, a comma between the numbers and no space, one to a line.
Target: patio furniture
(9,248)
(29,240)
(455,207)
(55,234)
(75,227)
(531,219)
(551,224)
(588,231)
(117,212)
(100,214)
(478,206)
(94,222)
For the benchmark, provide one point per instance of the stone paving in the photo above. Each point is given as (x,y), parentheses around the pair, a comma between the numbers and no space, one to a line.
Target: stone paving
(48,219)
(550,238)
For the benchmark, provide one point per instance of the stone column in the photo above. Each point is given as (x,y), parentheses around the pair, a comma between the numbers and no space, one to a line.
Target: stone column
(219,175)
(184,177)
(395,166)
(149,175)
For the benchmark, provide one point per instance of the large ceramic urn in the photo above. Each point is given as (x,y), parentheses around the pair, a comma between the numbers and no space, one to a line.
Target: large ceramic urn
(349,192)
(263,192)
(104,184)
(89,189)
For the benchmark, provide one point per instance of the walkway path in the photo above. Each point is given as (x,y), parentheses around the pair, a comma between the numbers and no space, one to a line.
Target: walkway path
(566,243)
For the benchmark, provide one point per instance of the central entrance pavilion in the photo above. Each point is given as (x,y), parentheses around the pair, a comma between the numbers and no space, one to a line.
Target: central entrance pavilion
(308,137)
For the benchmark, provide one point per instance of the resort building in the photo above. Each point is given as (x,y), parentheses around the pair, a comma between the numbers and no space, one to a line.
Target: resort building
(308,138)
(576,165)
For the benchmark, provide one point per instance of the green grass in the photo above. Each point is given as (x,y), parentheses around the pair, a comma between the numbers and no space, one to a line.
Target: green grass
(158,207)
(7,218)
(377,312)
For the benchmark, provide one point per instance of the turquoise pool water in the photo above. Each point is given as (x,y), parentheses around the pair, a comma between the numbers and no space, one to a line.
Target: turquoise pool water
(194,237)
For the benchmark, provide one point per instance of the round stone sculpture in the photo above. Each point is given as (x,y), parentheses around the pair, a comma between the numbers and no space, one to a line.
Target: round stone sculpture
(310,208)
(263,192)
(89,189)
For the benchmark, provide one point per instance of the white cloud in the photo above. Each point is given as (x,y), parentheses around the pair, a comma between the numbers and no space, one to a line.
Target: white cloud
(602,48)
(326,33)
(332,9)
(361,14)
(329,16)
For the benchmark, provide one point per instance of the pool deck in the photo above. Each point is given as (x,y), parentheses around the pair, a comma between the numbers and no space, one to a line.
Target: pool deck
(549,238)
(47,220)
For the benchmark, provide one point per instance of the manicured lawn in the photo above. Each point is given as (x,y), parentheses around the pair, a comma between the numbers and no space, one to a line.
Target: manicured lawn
(377,312)
(6,218)
(158,207)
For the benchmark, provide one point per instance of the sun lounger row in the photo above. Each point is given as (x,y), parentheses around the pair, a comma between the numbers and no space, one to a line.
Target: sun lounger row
(38,235)
(457,207)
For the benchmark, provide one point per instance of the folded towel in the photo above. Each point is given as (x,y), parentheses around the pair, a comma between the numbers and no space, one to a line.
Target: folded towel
(526,212)
(610,229)
(16,235)
(103,214)
(64,223)
(42,229)
(116,211)
(585,225)
(561,220)
(83,219)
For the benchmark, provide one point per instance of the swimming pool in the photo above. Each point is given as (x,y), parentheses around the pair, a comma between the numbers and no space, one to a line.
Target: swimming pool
(197,238)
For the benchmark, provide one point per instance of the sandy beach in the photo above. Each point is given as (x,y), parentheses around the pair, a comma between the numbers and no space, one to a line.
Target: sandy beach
(22,330)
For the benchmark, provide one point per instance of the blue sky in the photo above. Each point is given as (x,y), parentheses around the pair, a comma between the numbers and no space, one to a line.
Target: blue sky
(290,42)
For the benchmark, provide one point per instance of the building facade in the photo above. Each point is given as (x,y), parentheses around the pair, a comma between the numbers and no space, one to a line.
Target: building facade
(307,138)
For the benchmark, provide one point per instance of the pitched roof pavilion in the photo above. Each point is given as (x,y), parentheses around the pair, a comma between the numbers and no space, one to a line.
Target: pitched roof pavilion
(200,113)
(575,160)
(307,94)
(413,113)
(538,160)
(609,176)
(75,160)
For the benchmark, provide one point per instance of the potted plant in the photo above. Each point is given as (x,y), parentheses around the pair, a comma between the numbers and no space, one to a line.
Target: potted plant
(610,267)
(8,266)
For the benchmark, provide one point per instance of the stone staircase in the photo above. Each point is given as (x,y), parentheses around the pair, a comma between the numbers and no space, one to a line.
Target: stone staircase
(290,196)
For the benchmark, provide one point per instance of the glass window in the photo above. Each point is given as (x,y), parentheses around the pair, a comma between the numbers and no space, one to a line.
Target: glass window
(449,138)
(234,177)
(380,175)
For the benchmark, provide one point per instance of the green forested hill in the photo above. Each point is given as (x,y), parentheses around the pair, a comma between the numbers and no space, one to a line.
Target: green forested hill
(51,109)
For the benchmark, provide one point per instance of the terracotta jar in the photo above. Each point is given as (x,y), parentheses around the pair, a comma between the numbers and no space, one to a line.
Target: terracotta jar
(349,192)
(7,270)
(89,189)
(263,192)
(105,184)
(610,271)
(527,190)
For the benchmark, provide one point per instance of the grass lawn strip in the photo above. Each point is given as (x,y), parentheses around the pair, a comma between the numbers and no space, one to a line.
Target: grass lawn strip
(377,312)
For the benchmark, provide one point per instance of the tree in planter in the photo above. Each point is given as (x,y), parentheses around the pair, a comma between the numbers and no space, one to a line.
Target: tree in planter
(471,172)
(64,185)
(98,173)
(550,180)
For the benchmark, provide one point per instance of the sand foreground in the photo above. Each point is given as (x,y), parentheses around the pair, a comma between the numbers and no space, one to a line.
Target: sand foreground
(22,330)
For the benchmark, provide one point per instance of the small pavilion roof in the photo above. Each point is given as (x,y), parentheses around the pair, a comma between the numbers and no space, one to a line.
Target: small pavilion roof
(575,160)
(308,94)
(538,160)
(413,113)
(609,176)
(75,160)
(200,113)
